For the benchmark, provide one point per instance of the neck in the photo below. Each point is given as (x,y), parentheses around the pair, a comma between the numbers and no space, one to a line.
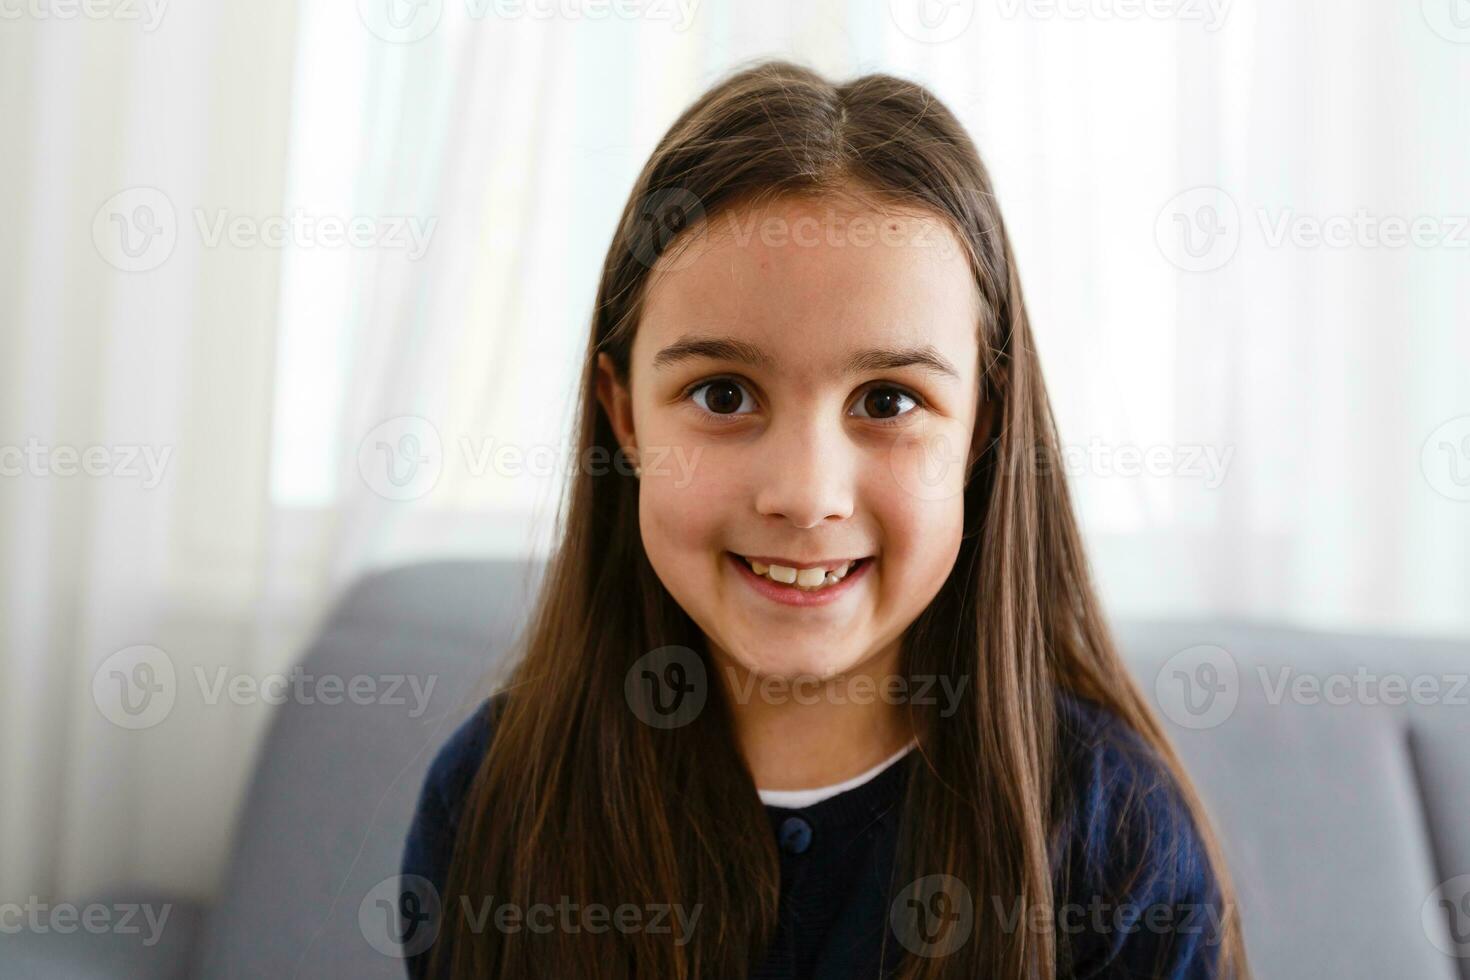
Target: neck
(804,732)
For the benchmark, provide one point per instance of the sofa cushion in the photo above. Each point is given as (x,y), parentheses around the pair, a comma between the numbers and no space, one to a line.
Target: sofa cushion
(1336,806)
(321,835)
(1340,821)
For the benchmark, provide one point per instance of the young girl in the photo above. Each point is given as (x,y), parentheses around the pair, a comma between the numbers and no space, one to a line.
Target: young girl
(817,684)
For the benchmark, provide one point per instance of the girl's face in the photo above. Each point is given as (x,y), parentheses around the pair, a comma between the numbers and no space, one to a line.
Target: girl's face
(803,392)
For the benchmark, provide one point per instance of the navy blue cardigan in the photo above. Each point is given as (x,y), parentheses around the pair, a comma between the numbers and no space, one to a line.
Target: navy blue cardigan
(1137,899)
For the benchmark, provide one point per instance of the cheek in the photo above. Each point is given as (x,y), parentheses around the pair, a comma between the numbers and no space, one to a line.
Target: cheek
(923,497)
(683,533)
(921,540)
(684,505)
(674,520)
(928,463)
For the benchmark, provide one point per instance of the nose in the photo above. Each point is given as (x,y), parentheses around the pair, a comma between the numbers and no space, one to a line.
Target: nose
(805,472)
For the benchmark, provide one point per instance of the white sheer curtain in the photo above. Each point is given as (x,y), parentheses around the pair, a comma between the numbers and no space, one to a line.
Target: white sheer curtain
(1298,410)
(134,423)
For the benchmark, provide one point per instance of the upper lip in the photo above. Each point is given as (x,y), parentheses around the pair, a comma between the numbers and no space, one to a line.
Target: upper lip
(798,565)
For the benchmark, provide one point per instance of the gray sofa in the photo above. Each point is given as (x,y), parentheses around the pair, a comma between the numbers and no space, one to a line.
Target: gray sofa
(1341,819)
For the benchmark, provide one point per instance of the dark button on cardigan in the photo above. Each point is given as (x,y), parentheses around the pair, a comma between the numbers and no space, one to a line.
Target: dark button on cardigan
(836,858)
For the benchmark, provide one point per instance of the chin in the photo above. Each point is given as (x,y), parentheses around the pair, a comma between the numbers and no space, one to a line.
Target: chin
(787,665)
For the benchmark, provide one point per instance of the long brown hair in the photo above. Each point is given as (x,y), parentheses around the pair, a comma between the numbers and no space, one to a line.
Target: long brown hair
(578,799)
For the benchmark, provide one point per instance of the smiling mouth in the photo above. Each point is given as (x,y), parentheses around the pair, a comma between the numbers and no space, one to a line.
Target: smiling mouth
(812,579)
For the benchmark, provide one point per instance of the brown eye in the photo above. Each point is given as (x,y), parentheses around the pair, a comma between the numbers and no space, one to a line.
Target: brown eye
(721,397)
(885,403)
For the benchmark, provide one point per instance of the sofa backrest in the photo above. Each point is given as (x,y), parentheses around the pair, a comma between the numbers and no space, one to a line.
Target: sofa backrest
(1339,820)
(332,794)
(1341,812)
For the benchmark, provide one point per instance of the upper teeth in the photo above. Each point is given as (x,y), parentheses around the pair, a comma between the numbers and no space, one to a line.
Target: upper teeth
(803,578)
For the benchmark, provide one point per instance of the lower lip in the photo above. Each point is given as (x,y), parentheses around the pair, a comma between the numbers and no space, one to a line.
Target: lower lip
(792,596)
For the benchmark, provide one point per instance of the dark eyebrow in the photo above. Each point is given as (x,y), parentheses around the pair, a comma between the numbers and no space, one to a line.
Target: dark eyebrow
(892,358)
(860,362)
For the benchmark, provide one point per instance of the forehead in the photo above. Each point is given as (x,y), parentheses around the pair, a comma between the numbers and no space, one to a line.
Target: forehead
(811,280)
